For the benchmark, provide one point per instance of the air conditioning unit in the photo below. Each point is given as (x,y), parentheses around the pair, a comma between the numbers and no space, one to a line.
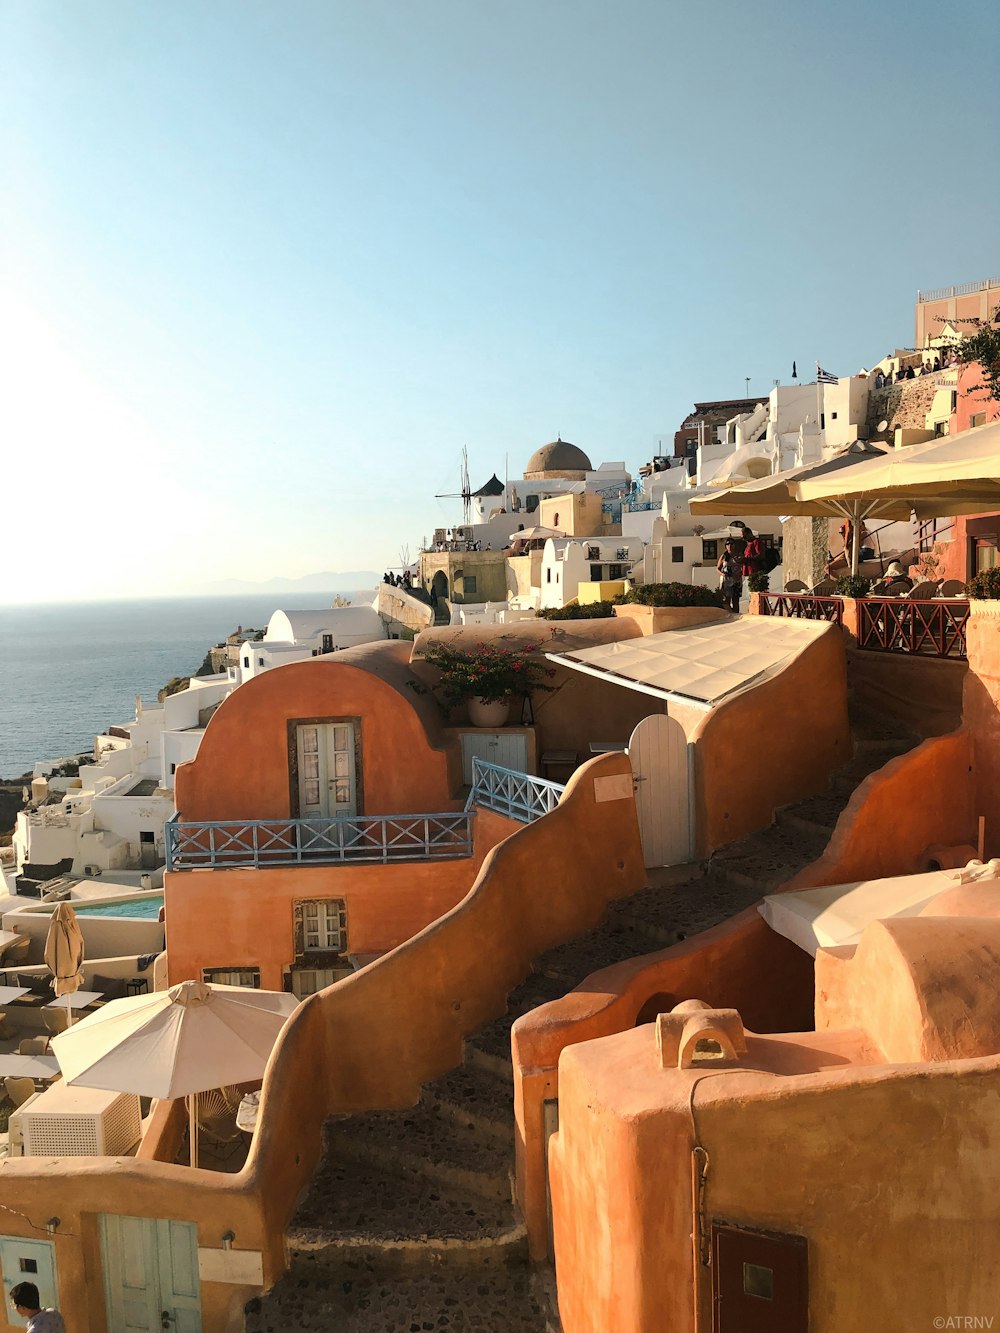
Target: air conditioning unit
(68,1121)
(91,870)
(15,1129)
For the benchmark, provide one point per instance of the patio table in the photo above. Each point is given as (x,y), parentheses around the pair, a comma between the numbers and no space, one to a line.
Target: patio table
(9,994)
(28,1066)
(78,999)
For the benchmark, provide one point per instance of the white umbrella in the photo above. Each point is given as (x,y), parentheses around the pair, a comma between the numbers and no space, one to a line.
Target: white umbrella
(176,1043)
(64,952)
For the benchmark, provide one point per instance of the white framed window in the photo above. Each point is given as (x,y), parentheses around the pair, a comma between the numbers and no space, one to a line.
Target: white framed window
(324,925)
(232,976)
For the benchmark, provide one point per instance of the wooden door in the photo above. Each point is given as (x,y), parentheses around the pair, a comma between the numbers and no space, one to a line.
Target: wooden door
(28,1261)
(760,1282)
(327,769)
(658,751)
(150,1274)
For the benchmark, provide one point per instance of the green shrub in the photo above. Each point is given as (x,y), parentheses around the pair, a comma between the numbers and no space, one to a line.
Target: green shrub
(590,611)
(671,594)
(759,581)
(985,586)
(853,585)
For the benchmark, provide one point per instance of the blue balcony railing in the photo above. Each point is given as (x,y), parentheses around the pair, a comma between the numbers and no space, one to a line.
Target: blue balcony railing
(349,840)
(518,795)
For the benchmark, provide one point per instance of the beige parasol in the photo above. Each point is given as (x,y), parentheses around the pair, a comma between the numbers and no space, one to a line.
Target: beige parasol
(64,951)
(959,474)
(176,1043)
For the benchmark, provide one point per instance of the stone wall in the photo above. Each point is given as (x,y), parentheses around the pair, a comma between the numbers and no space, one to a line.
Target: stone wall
(905,404)
(805,549)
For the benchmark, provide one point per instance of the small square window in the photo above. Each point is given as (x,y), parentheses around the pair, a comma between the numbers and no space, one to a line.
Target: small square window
(758,1281)
(677,554)
(469,583)
(710,550)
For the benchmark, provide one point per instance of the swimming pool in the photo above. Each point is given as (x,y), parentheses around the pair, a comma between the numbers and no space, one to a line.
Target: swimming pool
(146,908)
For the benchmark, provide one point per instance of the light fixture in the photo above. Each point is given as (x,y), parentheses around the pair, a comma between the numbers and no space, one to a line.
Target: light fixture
(52,1225)
(227,1239)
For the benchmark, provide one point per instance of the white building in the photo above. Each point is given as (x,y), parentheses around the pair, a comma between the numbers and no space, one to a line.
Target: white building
(295,636)
(111,815)
(568,562)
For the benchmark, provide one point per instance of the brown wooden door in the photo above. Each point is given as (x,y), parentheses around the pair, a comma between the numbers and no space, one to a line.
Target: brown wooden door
(760,1282)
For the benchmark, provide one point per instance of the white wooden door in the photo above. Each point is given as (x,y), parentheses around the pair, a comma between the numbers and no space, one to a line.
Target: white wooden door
(327,771)
(658,752)
(150,1274)
(507,749)
(28,1261)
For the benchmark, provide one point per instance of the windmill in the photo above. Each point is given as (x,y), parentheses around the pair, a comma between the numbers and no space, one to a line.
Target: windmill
(465,494)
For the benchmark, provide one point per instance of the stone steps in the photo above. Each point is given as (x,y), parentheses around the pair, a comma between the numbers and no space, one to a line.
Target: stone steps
(475,1098)
(357,1213)
(493,1300)
(420,1140)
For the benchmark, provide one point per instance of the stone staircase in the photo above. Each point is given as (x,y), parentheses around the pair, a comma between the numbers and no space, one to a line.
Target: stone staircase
(409,1223)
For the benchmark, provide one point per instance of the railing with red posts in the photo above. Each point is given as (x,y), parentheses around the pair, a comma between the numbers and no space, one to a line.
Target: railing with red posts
(928,629)
(806,606)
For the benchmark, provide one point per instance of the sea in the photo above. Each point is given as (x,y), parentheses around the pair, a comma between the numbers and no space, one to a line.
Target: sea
(68,672)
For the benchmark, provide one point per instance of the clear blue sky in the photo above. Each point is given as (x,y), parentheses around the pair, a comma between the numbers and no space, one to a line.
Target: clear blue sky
(269,266)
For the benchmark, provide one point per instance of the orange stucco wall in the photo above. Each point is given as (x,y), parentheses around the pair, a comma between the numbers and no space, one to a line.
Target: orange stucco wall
(242,767)
(872,1164)
(750,755)
(922,986)
(244,917)
(924,797)
(741,964)
(923,694)
(982,713)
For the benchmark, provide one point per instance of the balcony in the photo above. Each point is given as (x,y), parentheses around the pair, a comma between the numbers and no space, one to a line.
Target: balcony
(517,795)
(804,606)
(352,840)
(929,628)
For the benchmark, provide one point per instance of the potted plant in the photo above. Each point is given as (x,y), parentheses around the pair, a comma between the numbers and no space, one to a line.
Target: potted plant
(853,585)
(985,586)
(486,678)
(759,581)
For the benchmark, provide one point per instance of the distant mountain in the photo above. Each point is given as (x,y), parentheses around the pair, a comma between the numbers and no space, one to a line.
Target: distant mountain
(354,580)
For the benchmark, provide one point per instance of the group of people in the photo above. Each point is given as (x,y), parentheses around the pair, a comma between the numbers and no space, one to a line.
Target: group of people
(741,556)
(883,378)
(462,546)
(404,580)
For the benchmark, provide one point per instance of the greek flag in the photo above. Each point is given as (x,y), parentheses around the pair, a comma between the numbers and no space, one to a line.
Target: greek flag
(824,376)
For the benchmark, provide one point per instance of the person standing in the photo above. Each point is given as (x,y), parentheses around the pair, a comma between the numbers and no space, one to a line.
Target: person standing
(24,1299)
(752,557)
(730,576)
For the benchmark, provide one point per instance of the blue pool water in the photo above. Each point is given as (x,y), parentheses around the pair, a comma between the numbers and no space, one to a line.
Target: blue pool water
(141,909)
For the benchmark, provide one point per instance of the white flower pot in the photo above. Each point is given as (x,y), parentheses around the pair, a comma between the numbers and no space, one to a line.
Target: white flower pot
(488,714)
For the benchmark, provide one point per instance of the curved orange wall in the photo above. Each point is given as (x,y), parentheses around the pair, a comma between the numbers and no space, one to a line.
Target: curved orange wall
(772,744)
(740,964)
(925,796)
(241,770)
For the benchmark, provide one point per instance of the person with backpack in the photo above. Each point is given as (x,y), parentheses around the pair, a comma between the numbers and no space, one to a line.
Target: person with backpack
(752,559)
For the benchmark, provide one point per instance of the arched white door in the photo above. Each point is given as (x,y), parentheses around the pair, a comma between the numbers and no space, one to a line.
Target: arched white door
(658,752)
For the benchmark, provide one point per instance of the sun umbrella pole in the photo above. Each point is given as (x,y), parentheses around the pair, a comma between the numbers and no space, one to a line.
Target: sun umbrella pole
(855,544)
(192,1102)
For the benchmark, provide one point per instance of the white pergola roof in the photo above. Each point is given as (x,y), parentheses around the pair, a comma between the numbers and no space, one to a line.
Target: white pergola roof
(702,664)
